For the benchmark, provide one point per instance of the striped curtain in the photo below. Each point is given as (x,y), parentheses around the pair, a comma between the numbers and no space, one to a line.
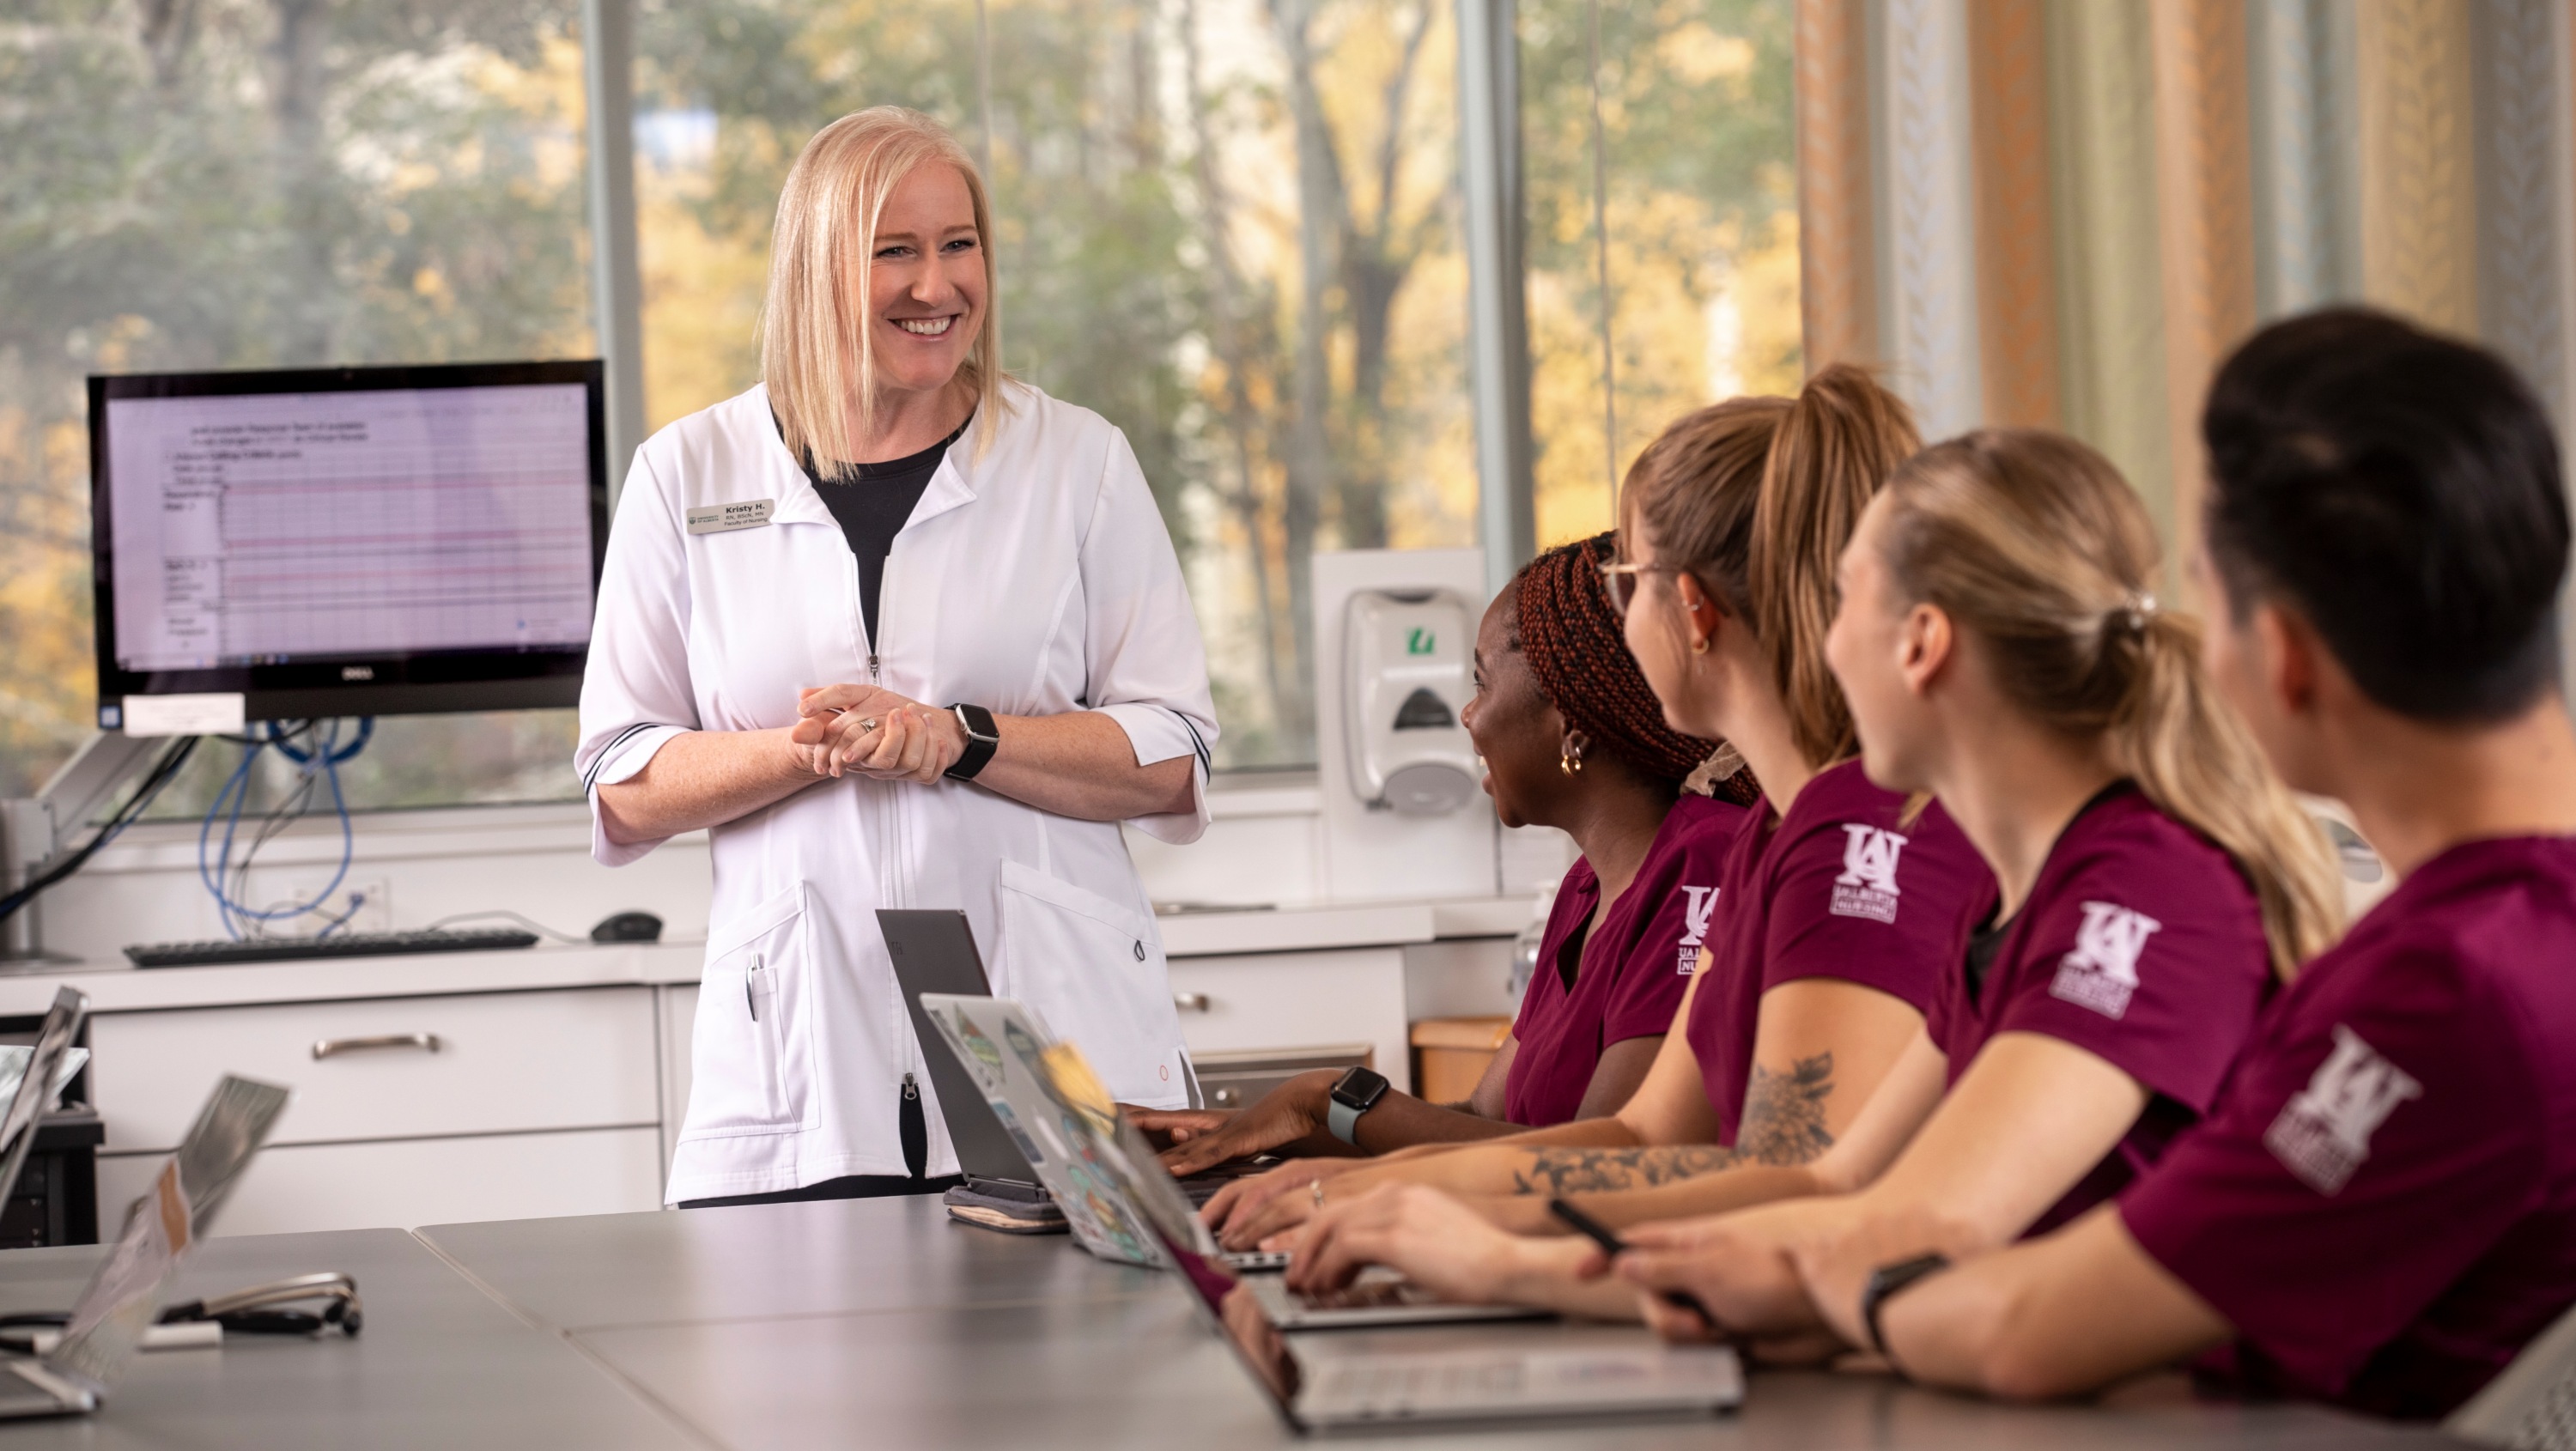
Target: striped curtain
(2065,212)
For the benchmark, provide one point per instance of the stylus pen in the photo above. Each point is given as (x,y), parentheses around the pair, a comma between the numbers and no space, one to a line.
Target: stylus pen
(1612,1245)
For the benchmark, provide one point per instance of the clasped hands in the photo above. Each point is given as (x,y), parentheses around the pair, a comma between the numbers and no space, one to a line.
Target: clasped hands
(864,730)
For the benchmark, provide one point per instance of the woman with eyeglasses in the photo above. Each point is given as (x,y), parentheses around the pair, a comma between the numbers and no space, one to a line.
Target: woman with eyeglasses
(1841,906)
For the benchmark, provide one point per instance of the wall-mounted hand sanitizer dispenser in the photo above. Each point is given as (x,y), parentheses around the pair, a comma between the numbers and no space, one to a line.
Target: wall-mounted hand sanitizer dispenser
(1407,654)
(1403,817)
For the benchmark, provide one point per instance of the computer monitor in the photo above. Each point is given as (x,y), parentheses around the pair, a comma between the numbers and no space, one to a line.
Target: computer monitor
(348,541)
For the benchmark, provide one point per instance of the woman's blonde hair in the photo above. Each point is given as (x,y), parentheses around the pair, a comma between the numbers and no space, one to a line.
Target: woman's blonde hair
(818,278)
(2033,543)
(1756,498)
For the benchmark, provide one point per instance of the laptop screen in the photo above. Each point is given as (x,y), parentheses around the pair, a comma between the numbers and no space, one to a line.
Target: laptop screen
(37,1083)
(1232,1311)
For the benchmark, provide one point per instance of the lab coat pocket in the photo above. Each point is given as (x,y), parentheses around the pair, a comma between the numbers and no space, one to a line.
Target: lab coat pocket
(1094,971)
(752,1069)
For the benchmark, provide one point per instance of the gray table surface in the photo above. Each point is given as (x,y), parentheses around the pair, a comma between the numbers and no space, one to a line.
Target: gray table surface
(879,1323)
(439,1364)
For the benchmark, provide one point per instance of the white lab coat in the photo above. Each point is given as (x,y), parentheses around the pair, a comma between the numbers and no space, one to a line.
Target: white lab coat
(1033,578)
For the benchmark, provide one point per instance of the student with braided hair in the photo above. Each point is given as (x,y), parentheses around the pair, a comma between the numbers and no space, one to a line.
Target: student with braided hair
(1571,737)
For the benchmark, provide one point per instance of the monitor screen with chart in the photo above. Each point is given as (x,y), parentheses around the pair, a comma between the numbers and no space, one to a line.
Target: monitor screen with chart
(349,541)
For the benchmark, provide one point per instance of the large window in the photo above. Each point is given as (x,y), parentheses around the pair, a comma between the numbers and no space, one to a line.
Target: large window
(1231,226)
(267,183)
(1670,122)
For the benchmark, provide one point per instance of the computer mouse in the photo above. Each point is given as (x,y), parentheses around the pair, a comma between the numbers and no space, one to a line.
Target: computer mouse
(628,927)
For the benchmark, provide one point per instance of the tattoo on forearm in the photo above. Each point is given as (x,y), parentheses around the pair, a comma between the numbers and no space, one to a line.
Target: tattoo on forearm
(1784,1124)
(1582,1171)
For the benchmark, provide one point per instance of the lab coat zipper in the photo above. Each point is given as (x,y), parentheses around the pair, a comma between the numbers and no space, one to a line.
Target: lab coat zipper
(888,811)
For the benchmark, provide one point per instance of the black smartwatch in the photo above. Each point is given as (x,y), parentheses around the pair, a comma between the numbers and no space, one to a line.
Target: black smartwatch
(1357,1091)
(1884,1283)
(982,739)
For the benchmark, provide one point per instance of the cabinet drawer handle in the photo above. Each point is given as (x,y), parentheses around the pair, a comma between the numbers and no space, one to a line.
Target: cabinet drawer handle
(332,1047)
(1193,1002)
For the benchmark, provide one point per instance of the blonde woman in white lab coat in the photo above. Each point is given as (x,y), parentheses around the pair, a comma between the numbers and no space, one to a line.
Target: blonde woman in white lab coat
(807,658)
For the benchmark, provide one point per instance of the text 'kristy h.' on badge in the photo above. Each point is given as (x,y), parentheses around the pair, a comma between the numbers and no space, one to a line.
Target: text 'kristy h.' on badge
(724,518)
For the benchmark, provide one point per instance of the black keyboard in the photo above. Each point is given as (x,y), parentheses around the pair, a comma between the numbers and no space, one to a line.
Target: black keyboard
(349,944)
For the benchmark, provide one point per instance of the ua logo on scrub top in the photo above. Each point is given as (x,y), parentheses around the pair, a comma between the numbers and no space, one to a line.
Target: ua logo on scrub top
(2323,1133)
(2102,971)
(1696,911)
(1867,886)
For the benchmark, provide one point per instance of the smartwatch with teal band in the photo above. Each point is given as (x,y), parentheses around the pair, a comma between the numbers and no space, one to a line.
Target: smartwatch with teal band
(1356,1093)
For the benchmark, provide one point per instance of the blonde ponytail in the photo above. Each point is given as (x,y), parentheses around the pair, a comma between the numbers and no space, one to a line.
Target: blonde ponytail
(1757,497)
(2035,544)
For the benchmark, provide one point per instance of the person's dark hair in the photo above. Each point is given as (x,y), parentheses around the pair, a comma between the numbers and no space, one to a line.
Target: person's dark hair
(1563,625)
(2402,492)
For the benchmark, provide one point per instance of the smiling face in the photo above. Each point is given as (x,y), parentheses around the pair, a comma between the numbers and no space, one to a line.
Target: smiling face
(1517,732)
(926,285)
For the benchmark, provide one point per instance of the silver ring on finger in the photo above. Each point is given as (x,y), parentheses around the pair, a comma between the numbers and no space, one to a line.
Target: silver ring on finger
(1315,1187)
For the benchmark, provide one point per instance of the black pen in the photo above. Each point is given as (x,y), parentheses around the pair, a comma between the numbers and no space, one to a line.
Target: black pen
(1612,1245)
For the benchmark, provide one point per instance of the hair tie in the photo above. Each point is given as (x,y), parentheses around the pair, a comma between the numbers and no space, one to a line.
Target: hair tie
(2141,609)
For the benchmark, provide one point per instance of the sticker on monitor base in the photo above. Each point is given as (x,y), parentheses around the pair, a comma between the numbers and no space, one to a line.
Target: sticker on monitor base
(216,714)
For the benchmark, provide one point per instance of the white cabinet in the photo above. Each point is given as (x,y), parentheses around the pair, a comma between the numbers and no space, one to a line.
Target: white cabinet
(407,1111)
(387,1068)
(1282,1001)
(410,1182)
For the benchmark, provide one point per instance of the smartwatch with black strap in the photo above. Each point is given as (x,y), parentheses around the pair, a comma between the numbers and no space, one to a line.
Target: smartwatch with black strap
(1884,1284)
(1357,1091)
(983,737)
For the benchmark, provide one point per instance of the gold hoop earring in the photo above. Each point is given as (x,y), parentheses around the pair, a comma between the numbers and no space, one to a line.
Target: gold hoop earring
(1569,759)
(1699,646)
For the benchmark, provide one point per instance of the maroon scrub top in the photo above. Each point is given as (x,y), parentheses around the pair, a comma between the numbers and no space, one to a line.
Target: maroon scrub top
(1840,887)
(1624,981)
(2384,1203)
(2142,944)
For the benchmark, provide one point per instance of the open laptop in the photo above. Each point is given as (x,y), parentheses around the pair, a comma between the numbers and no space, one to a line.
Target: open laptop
(1451,1374)
(1379,1297)
(123,1296)
(934,952)
(1124,1184)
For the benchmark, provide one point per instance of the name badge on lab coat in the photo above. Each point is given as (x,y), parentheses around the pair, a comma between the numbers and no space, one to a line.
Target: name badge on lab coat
(725,518)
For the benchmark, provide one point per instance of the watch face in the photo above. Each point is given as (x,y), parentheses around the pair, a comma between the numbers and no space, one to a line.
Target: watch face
(1360,1088)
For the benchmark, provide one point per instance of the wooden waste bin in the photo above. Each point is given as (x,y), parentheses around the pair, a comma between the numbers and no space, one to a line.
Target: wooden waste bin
(1450,1055)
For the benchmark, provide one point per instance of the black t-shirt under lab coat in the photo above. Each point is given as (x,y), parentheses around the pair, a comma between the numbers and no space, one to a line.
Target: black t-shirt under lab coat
(873,502)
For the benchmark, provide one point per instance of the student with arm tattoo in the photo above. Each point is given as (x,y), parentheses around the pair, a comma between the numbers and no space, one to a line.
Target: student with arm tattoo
(2381,1211)
(1998,648)
(1838,908)
(1571,737)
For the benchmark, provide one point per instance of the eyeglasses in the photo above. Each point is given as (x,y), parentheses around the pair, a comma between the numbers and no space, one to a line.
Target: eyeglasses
(1620,581)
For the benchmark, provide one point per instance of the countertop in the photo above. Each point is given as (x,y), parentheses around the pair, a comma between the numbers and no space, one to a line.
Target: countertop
(120,987)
